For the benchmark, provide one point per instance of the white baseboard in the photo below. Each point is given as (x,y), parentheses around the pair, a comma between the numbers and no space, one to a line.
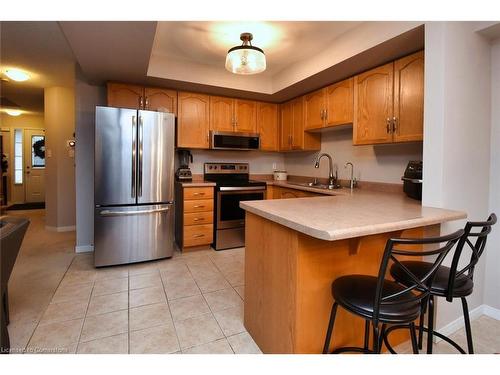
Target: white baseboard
(458,323)
(84,248)
(61,229)
(491,312)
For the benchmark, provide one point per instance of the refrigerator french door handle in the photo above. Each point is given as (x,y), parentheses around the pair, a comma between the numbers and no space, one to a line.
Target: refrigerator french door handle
(134,163)
(130,213)
(141,139)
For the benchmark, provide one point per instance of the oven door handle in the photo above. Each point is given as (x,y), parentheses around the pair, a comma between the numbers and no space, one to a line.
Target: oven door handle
(242,188)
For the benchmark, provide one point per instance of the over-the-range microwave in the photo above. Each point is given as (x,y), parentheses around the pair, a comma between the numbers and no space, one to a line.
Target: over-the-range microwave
(234,141)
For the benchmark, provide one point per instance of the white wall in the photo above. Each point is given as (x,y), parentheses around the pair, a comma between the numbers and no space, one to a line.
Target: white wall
(457,133)
(260,162)
(382,163)
(86,98)
(492,280)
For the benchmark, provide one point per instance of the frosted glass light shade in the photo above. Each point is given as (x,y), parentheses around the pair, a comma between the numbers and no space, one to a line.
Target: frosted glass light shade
(245,60)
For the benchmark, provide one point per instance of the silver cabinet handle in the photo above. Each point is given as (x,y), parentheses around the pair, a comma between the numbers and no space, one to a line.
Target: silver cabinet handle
(198,194)
(326,114)
(141,139)
(146,105)
(134,141)
(130,213)
(388,125)
(198,235)
(394,124)
(198,206)
(141,102)
(198,219)
(321,114)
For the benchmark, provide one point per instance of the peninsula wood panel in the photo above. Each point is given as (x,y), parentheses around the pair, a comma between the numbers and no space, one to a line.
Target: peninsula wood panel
(123,95)
(268,126)
(245,116)
(221,114)
(340,103)
(193,120)
(373,103)
(158,99)
(288,277)
(409,98)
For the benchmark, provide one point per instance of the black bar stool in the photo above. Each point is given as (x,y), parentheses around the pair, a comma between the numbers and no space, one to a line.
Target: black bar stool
(381,301)
(450,282)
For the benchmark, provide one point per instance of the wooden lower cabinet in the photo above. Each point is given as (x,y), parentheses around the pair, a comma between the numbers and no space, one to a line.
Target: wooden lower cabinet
(279,192)
(194,217)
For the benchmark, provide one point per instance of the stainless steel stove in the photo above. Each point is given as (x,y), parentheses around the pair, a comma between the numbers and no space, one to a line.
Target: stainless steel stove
(233,185)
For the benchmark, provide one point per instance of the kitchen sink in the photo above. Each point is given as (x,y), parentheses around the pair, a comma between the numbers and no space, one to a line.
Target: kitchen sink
(316,186)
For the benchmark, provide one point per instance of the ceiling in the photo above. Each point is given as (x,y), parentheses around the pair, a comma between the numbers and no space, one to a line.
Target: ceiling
(40,49)
(301,56)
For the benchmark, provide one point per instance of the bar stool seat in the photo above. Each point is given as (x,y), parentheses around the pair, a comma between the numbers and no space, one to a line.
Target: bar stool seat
(463,285)
(356,294)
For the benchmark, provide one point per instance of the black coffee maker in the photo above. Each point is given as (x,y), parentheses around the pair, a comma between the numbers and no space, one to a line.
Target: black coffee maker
(183,173)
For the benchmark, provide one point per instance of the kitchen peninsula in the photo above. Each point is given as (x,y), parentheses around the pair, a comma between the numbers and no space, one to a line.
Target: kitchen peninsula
(295,248)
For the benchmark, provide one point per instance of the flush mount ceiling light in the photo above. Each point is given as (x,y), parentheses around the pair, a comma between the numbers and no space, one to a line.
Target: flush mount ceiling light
(17,75)
(246,59)
(13,112)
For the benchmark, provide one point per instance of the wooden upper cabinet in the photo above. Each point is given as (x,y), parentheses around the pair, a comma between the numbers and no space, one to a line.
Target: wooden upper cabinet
(298,124)
(409,98)
(314,109)
(158,99)
(267,120)
(125,96)
(193,120)
(339,103)
(286,125)
(221,114)
(245,116)
(373,103)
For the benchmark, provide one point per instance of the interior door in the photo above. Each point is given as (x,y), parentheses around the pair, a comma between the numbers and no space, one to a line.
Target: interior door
(34,161)
(155,163)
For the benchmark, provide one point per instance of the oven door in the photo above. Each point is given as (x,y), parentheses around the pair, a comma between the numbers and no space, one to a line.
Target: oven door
(229,213)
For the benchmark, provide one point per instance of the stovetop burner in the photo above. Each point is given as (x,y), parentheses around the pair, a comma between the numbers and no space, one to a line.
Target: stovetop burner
(230,174)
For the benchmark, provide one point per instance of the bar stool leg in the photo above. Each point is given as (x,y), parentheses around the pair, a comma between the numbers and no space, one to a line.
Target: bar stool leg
(376,342)
(367,334)
(467,325)
(430,325)
(423,309)
(330,328)
(413,335)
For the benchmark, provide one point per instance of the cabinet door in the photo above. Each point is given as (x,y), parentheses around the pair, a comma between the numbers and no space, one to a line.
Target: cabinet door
(409,98)
(314,108)
(245,115)
(156,99)
(125,96)
(221,114)
(286,126)
(339,103)
(373,105)
(298,124)
(193,120)
(267,120)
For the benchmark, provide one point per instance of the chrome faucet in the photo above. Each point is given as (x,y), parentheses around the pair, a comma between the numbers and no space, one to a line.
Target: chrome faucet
(332,181)
(353,180)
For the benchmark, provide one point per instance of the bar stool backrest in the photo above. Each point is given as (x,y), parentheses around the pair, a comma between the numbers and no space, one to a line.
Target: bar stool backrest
(421,286)
(476,248)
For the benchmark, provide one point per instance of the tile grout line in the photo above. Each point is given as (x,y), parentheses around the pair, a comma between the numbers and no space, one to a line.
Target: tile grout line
(170,312)
(52,297)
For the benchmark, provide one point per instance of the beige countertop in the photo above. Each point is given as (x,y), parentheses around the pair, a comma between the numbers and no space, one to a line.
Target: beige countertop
(347,215)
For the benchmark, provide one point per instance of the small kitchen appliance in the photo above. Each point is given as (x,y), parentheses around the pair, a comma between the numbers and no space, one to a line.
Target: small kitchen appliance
(183,173)
(412,180)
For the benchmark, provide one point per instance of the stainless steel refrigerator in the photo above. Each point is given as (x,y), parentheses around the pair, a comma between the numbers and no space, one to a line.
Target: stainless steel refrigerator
(133,186)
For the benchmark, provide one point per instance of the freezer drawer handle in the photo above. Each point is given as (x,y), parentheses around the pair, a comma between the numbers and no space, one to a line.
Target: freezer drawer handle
(129,213)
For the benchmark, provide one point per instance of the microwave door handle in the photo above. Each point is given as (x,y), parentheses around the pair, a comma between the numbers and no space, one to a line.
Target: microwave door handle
(134,163)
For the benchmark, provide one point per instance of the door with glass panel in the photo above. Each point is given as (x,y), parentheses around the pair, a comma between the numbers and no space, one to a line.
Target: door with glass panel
(34,161)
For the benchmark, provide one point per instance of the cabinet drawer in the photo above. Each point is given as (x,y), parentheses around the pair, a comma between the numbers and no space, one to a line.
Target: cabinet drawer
(196,235)
(198,193)
(195,218)
(199,205)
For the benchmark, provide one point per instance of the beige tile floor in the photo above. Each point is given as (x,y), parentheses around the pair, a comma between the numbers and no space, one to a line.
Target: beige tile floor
(192,303)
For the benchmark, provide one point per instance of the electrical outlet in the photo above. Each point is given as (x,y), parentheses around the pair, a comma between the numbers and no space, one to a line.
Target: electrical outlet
(274,166)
